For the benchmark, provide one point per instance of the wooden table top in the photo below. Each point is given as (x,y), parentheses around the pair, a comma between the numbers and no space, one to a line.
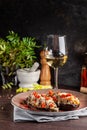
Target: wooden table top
(6,118)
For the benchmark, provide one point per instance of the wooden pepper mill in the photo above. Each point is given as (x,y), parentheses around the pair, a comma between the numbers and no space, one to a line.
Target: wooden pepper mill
(45,76)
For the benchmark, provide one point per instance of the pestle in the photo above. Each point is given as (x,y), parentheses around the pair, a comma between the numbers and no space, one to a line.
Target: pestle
(33,68)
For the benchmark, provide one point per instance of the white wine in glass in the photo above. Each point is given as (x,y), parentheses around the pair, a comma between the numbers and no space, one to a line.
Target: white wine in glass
(56,53)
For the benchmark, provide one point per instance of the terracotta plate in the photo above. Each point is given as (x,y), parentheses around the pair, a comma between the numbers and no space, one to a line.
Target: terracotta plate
(18,99)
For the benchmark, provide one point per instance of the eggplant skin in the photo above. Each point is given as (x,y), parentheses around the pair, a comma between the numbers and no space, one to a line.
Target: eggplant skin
(68,107)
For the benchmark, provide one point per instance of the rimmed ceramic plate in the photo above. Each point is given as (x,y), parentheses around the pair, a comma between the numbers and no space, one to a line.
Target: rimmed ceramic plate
(19,98)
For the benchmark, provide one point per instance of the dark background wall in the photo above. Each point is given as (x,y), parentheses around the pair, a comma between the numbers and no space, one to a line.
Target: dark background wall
(38,18)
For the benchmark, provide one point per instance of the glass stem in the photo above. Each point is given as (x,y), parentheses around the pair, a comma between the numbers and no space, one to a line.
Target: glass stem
(56,78)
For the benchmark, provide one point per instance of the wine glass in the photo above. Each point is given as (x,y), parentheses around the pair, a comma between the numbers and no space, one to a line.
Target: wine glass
(56,54)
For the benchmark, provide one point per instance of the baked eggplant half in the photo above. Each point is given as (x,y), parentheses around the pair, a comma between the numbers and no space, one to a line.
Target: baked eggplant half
(67,101)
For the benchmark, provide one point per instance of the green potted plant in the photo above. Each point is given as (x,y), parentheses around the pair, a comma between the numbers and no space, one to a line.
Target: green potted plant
(15,53)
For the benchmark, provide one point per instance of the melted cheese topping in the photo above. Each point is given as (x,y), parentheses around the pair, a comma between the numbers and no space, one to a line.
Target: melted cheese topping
(67,98)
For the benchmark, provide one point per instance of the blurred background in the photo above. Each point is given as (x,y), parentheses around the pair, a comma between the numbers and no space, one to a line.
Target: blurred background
(38,18)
